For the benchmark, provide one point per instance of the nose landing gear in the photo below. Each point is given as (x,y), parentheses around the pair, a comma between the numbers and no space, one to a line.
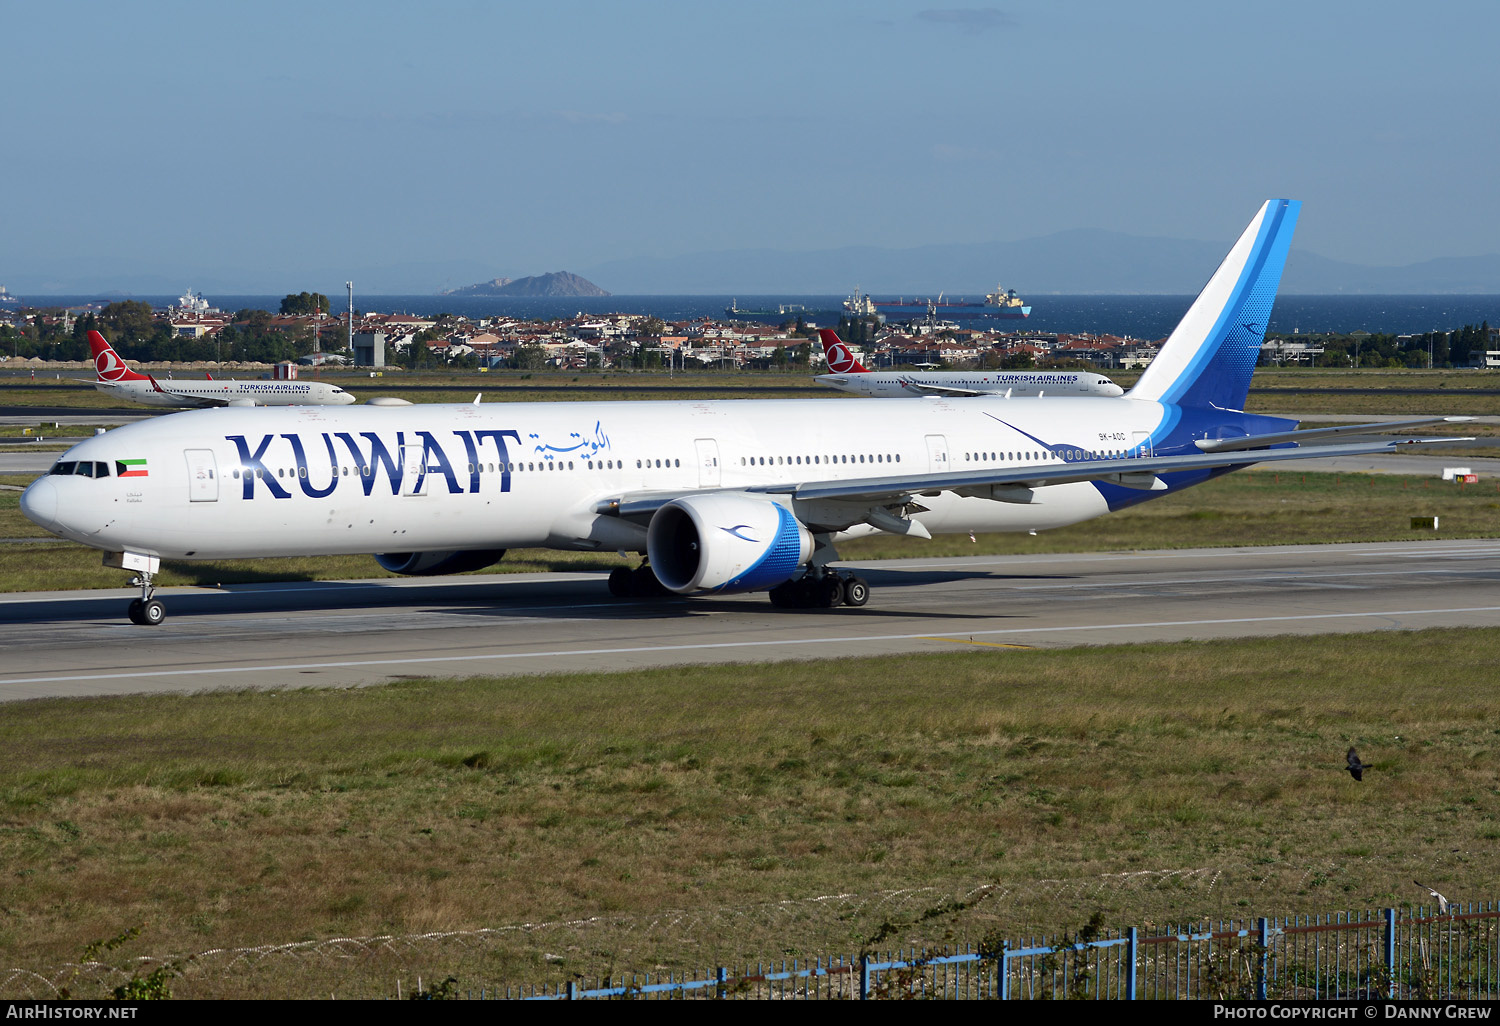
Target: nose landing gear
(146,611)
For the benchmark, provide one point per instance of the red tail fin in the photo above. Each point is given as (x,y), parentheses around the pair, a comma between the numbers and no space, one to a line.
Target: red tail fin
(107,362)
(840,360)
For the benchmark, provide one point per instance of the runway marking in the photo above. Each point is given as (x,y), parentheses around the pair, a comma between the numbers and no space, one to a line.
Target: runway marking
(1480,546)
(971,641)
(708,646)
(1289,576)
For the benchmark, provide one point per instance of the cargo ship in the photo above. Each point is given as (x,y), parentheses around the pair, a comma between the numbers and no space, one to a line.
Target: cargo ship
(6,299)
(782,312)
(1003,303)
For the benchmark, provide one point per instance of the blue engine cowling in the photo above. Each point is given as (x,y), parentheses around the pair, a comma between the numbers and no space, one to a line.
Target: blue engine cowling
(430,564)
(725,542)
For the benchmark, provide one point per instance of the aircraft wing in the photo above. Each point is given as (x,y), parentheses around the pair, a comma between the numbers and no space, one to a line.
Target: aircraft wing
(1140,473)
(945,389)
(192,400)
(1262,441)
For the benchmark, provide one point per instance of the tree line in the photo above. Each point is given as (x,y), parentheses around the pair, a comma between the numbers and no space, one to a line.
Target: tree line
(1447,348)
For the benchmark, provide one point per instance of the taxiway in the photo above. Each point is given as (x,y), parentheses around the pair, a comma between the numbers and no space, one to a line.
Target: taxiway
(342,634)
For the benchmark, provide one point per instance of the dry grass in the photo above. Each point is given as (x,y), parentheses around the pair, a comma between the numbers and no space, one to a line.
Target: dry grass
(233,819)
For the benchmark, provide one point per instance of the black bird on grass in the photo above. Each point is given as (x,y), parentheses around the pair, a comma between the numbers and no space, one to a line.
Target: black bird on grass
(1356,768)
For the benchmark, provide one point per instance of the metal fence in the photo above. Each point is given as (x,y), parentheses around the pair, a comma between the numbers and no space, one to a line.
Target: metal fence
(1420,953)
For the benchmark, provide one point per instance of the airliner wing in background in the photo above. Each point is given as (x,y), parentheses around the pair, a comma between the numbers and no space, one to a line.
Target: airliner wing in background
(952,390)
(183,397)
(205,401)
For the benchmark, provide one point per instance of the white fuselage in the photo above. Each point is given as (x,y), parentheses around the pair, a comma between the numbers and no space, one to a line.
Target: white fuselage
(208,392)
(901,384)
(310,480)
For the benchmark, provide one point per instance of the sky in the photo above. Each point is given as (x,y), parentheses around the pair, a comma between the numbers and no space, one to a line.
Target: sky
(260,143)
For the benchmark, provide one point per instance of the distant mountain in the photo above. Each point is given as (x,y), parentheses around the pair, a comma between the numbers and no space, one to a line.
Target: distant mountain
(484,288)
(1082,261)
(558,283)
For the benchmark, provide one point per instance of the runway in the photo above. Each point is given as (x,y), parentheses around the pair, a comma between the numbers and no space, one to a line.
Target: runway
(339,634)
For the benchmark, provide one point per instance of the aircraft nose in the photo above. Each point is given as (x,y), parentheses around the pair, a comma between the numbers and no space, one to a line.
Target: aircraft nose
(39,502)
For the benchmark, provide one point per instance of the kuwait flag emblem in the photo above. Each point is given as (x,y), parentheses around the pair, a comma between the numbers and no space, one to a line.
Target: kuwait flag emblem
(132,468)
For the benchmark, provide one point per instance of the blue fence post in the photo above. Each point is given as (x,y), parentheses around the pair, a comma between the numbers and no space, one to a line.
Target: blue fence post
(864,977)
(572,990)
(1002,966)
(1130,953)
(1263,938)
(1390,950)
(722,976)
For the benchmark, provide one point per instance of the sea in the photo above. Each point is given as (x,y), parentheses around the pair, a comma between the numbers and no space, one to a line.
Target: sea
(1142,317)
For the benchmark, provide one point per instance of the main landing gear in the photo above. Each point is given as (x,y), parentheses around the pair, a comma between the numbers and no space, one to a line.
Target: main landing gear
(821,590)
(146,611)
(638,583)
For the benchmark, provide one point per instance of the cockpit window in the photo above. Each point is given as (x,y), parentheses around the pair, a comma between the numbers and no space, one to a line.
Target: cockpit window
(80,468)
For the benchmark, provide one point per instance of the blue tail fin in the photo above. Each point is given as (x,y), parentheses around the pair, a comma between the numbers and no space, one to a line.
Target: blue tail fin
(1208,360)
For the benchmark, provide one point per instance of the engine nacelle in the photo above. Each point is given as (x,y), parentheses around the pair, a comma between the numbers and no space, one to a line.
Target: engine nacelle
(430,564)
(725,543)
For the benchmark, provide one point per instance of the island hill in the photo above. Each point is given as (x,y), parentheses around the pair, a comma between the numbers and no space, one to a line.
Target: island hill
(558,283)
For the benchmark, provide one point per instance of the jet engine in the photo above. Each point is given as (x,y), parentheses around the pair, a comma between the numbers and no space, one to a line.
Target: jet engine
(724,542)
(430,564)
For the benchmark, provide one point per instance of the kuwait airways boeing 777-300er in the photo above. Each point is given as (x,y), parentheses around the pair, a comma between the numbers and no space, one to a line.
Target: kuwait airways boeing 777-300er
(849,375)
(722,497)
(117,379)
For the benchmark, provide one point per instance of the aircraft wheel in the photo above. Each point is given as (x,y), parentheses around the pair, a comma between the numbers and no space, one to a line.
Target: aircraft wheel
(621,582)
(152,613)
(804,595)
(784,595)
(856,591)
(645,583)
(829,592)
(134,612)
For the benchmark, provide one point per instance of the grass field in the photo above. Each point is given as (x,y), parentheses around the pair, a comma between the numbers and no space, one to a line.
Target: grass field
(698,816)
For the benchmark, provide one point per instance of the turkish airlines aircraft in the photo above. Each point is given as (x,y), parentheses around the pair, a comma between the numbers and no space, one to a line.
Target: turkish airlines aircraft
(849,375)
(722,497)
(117,379)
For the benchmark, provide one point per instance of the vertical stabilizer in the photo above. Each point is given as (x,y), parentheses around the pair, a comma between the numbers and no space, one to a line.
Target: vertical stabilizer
(107,363)
(840,360)
(1208,360)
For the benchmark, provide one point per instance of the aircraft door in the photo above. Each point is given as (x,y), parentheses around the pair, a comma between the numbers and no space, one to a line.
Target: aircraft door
(413,470)
(937,454)
(203,475)
(708,462)
(1140,444)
